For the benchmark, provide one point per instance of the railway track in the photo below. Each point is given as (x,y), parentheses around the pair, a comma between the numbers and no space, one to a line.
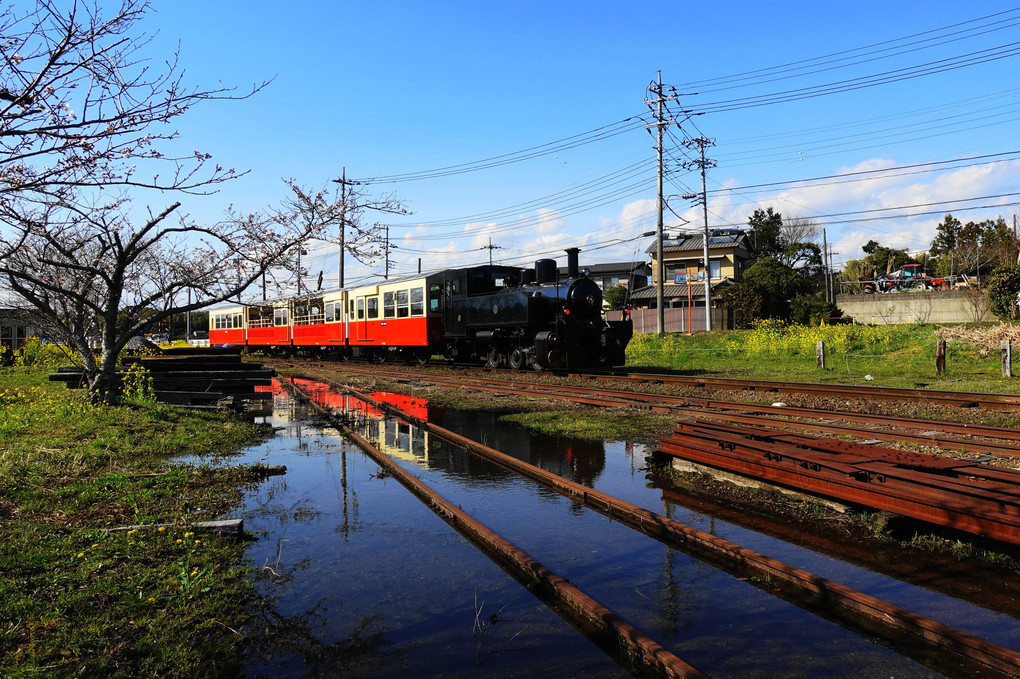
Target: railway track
(958,494)
(988,401)
(966,496)
(926,640)
(975,439)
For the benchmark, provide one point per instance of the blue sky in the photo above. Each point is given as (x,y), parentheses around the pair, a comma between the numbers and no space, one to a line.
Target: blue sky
(393,88)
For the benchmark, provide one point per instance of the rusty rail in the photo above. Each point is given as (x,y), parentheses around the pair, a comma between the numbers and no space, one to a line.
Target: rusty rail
(629,645)
(925,487)
(928,641)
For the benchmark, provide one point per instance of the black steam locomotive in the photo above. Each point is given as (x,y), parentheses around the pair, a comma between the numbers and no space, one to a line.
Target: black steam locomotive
(503,315)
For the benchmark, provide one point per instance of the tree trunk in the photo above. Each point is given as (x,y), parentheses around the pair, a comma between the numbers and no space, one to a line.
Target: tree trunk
(103,385)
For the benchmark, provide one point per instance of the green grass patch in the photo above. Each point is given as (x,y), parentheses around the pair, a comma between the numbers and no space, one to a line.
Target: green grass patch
(595,424)
(78,601)
(893,355)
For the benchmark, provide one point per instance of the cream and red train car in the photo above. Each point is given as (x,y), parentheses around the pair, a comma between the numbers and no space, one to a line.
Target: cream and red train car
(522,318)
(397,317)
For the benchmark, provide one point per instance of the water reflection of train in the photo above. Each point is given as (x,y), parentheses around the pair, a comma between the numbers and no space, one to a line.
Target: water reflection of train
(503,315)
(577,460)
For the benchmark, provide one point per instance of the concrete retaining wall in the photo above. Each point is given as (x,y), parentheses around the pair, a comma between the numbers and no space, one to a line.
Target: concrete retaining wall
(957,306)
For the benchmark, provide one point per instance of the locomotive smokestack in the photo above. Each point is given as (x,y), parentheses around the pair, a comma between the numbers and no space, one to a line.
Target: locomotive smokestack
(572,262)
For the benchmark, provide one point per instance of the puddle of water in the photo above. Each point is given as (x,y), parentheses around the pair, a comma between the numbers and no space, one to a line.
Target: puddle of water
(364,580)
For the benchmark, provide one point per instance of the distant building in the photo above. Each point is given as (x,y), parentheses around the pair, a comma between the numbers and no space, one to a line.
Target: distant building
(631,275)
(15,329)
(684,286)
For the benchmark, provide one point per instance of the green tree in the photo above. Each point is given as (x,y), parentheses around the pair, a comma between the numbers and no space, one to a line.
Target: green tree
(810,310)
(972,247)
(766,234)
(616,297)
(767,291)
(1004,292)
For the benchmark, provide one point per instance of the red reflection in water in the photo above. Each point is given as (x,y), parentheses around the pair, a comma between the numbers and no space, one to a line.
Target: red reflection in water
(322,393)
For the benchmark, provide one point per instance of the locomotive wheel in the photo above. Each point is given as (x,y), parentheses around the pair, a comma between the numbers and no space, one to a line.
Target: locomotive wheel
(517,358)
(493,359)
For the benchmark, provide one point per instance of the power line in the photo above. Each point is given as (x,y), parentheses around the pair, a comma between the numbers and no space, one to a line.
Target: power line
(730,82)
(598,134)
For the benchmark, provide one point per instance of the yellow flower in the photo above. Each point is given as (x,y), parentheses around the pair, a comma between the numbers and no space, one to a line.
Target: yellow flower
(188,535)
(194,573)
(81,554)
(152,598)
(95,545)
(161,529)
(130,532)
(180,541)
(198,542)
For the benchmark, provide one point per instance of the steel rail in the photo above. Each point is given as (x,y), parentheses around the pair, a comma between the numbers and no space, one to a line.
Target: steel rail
(987,400)
(788,465)
(934,429)
(628,644)
(928,641)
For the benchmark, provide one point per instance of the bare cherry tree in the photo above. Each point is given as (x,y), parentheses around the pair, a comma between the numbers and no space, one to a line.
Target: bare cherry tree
(341,215)
(84,124)
(95,279)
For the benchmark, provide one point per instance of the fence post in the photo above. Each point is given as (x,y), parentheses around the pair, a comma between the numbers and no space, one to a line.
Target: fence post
(940,357)
(1007,358)
(820,355)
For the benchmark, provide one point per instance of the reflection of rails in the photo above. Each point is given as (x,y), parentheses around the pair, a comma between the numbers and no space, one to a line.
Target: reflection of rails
(923,639)
(579,609)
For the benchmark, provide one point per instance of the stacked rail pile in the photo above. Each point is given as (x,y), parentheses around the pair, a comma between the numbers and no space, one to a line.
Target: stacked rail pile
(959,494)
(196,378)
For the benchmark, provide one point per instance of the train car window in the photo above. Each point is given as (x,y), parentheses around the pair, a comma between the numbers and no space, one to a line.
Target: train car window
(238,321)
(498,281)
(216,322)
(478,282)
(417,301)
(361,308)
(403,310)
(388,308)
(280,317)
(329,312)
(455,285)
(373,307)
(435,297)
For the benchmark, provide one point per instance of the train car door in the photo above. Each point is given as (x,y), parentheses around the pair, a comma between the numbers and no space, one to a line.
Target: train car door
(454,304)
(345,317)
(361,323)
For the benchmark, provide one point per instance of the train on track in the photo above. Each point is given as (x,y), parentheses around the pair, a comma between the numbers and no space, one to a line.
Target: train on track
(521,318)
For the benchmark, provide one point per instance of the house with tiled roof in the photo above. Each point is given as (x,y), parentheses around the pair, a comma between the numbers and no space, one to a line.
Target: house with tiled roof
(683,257)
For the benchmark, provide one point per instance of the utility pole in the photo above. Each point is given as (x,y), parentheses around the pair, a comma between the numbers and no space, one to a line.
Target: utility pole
(825,265)
(490,247)
(386,274)
(702,163)
(344,183)
(655,88)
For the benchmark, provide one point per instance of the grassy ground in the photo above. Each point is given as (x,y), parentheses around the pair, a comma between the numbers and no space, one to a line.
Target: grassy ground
(896,356)
(78,601)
